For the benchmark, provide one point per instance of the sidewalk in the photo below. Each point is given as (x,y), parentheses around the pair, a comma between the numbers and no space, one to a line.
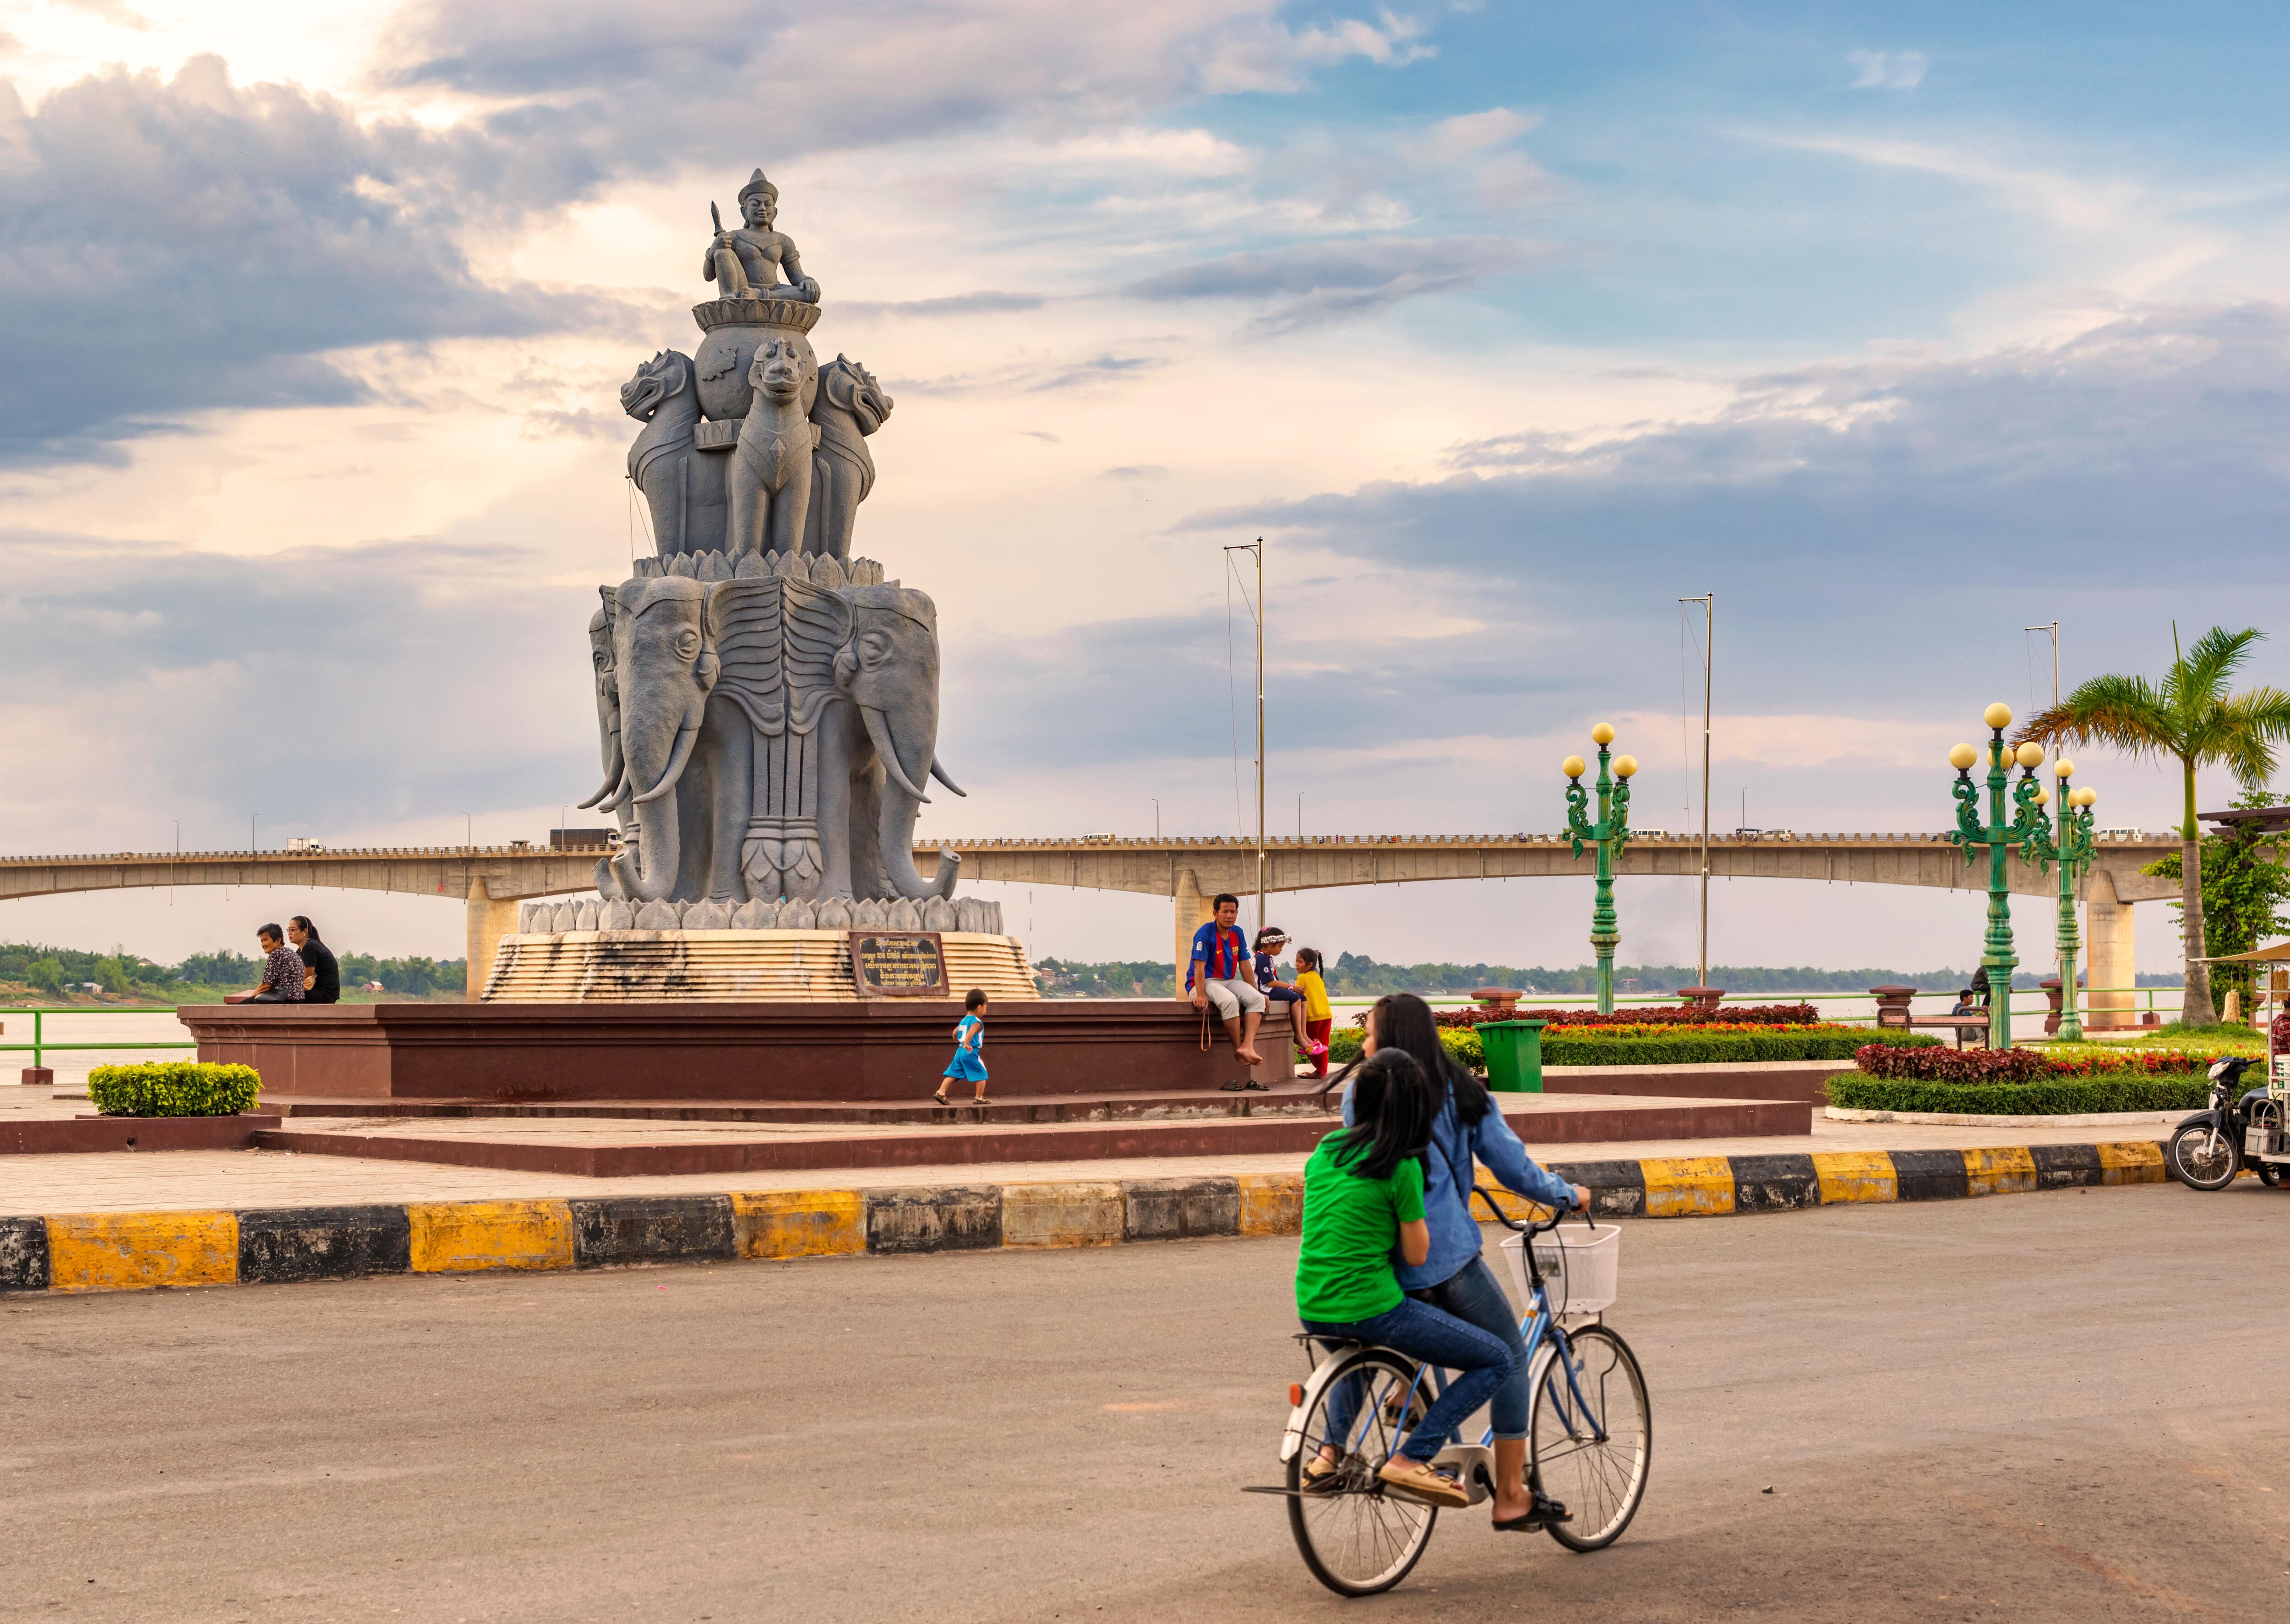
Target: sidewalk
(218,1179)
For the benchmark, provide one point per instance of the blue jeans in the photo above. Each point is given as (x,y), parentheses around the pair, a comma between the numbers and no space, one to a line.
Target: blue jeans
(1424,1332)
(1474,1295)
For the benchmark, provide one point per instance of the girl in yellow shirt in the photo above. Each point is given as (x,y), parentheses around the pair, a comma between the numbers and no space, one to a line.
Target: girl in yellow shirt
(1319,1019)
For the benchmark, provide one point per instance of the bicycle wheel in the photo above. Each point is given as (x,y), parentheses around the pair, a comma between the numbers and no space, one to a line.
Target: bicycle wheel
(1600,1482)
(1356,1539)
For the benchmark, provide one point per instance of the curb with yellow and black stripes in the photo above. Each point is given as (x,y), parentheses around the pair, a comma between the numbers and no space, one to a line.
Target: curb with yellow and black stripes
(111,1252)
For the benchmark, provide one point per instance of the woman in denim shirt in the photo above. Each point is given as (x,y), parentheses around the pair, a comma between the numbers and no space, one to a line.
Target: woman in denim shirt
(1468,1132)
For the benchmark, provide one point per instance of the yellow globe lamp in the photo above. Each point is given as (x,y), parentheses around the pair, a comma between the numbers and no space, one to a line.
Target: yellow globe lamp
(2042,797)
(1573,766)
(1998,715)
(2085,795)
(1625,766)
(2030,755)
(1962,757)
(2066,769)
(1603,734)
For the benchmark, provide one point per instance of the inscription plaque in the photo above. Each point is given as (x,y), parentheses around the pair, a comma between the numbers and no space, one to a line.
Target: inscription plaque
(897,964)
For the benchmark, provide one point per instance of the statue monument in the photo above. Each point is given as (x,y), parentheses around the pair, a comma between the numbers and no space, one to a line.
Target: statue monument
(767,703)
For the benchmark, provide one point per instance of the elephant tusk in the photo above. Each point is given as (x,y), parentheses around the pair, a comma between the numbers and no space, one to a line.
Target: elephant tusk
(939,773)
(604,790)
(878,733)
(684,740)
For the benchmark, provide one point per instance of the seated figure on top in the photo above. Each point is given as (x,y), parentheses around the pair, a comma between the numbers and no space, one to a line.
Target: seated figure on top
(745,263)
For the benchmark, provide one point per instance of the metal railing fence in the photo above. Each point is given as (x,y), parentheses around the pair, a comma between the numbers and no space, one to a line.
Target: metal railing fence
(40,1046)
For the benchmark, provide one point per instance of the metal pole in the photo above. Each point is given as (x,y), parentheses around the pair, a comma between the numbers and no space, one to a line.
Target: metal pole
(1261,920)
(1708,601)
(1999,957)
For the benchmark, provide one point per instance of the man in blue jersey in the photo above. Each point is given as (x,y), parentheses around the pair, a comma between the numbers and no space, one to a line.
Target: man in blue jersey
(1221,974)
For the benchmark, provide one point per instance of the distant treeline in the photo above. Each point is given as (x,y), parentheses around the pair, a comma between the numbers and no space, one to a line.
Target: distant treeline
(1355,975)
(126,975)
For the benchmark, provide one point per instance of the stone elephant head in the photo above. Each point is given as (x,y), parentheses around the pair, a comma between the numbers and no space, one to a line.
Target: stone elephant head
(890,670)
(608,724)
(664,668)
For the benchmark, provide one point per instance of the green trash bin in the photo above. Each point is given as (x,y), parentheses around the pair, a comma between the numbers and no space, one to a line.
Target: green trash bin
(1514,1051)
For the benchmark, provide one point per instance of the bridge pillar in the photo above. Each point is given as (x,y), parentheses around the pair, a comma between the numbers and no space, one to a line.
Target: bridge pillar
(1192,912)
(2110,954)
(489,922)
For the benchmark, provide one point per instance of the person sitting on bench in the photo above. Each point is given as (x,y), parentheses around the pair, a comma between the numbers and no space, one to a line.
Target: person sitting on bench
(1220,973)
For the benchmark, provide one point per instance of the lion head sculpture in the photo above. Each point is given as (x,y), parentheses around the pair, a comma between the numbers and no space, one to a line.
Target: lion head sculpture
(850,387)
(659,380)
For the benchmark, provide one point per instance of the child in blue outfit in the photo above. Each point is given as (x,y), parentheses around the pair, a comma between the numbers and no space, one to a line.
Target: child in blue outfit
(969,1062)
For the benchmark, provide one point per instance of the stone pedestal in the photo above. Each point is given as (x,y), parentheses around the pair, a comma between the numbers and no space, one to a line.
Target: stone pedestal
(1701,998)
(39,1077)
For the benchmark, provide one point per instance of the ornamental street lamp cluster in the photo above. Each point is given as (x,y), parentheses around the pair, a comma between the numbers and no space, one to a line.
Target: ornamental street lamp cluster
(2070,845)
(1609,833)
(2030,832)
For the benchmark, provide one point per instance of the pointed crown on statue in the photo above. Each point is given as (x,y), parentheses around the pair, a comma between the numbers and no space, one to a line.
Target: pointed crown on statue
(758,186)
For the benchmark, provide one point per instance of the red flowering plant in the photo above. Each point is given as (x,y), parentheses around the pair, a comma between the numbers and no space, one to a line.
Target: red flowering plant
(1657,1015)
(1938,1065)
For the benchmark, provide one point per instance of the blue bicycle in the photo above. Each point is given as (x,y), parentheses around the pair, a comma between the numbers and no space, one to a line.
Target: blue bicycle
(1589,1436)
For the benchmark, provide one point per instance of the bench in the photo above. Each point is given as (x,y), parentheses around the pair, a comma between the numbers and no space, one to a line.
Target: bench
(1893,1012)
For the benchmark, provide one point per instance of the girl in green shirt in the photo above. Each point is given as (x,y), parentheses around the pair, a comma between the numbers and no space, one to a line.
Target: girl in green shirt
(1363,1201)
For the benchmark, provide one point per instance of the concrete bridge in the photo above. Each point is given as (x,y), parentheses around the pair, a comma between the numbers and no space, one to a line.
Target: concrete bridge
(490,881)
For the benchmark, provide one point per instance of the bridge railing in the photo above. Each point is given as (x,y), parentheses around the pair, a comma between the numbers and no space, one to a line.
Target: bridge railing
(39,1046)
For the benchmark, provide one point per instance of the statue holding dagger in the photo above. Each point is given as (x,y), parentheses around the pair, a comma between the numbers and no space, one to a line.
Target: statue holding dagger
(745,262)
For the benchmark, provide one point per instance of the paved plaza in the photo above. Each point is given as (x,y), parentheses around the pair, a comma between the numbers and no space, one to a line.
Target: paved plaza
(2047,1408)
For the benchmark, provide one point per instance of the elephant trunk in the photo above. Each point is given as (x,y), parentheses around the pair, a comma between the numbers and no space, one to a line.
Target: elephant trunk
(903,803)
(647,873)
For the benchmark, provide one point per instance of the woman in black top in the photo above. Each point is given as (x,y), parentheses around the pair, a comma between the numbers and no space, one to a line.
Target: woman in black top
(322,975)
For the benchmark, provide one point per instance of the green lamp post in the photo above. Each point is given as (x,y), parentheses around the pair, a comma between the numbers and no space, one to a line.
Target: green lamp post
(2072,848)
(1609,833)
(2000,837)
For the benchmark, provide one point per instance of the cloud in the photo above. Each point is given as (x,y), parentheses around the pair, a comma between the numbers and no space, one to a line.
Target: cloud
(619,88)
(1874,528)
(984,303)
(1315,283)
(180,245)
(341,686)
(1134,471)
(1468,134)
(1888,70)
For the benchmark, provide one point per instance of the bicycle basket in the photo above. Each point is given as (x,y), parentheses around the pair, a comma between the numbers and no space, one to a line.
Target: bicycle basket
(1581,1266)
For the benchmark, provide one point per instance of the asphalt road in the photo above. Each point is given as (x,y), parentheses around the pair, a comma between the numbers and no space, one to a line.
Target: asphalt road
(2067,1406)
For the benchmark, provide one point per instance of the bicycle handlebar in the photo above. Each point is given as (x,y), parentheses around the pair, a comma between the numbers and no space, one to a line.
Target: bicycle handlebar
(1532,1226)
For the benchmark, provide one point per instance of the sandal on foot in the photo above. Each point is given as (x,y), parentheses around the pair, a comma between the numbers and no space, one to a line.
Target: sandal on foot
(1320,1477)
(1544,1510)
(941,1100)
(1419,1481)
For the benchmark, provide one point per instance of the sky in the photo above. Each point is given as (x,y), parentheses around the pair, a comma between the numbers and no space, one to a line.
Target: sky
(1505,326)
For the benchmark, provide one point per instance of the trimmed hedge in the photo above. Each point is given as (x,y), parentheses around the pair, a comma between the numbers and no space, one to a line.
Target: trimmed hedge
(174,1088)
(1651,1015)
(1703,1047)
(2052,1097)
(1710,1046)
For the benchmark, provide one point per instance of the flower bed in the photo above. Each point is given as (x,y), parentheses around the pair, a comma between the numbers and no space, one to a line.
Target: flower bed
(2066,1096)
(1685,1046)
(1683,1015)
(174,1088)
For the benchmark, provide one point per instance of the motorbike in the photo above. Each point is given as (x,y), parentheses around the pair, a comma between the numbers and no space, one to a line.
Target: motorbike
(2207,1150)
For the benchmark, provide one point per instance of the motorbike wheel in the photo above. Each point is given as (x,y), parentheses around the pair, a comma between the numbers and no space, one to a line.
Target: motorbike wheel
(2272,1174)
(2203,1160)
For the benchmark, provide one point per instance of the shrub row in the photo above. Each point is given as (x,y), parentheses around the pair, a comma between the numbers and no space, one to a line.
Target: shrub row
(2020,1066)
(1692,1048)
(2052,1097)
(1685,1015)
(174,1088)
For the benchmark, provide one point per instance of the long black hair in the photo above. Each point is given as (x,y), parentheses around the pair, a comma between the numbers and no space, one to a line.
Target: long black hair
(1403,1021)
(1392,1107)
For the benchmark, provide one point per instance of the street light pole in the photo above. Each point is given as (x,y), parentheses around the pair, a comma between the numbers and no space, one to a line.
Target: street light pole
(2000,837)
(2072,848)
(1609,834)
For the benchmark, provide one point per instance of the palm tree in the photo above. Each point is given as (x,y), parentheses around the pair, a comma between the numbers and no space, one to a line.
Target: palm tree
(2191,718)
